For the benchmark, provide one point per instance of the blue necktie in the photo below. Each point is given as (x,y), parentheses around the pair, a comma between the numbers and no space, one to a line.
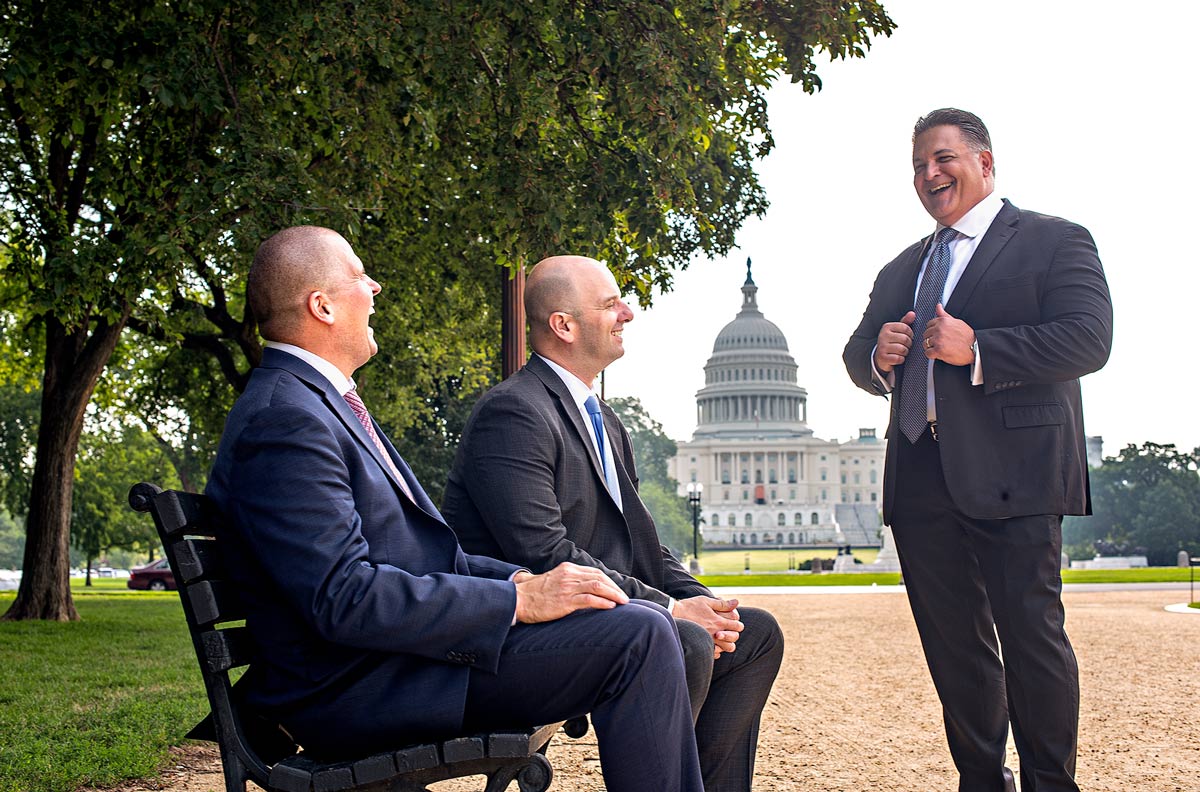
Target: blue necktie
(592,405)
(914,394)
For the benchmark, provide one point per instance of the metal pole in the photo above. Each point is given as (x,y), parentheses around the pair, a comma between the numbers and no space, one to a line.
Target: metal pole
(694,491)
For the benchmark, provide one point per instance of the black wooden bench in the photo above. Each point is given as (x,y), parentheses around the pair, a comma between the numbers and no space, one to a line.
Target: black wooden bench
(189,526)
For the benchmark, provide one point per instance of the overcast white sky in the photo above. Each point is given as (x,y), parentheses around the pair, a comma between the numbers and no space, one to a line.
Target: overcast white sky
(1090,120)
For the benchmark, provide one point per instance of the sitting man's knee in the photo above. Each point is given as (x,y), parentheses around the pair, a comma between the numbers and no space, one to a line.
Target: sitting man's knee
(695,640)
(762,630)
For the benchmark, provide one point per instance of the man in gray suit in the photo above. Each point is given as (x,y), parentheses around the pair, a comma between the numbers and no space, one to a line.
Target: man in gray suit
(981,330)
(545,474)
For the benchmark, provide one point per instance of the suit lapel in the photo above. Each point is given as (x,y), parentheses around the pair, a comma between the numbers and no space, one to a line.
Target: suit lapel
(1003,228)
(273,358)
(568,410)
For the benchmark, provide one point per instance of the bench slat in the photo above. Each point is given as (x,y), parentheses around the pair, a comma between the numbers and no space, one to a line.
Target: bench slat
(226,649)
(519,743)
(197,558)
(213,602)
(333,779)
(379,767)
(292,775)
(418,757)
(181,513)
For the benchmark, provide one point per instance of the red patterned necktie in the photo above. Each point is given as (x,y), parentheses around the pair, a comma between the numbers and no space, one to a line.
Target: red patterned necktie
(360,411)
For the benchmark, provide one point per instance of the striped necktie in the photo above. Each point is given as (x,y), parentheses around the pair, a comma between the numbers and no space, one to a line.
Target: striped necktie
(914,394)
(360,411)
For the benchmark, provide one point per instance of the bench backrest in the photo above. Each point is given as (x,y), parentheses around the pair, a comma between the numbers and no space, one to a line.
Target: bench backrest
(189,526)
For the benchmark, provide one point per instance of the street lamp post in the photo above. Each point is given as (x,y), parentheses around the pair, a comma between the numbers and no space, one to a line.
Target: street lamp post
(694,491)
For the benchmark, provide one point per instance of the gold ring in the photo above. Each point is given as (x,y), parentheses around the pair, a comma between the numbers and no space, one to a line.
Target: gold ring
(928,343)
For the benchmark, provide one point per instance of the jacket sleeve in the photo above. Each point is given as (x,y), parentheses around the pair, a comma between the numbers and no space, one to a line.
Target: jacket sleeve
(1072,333)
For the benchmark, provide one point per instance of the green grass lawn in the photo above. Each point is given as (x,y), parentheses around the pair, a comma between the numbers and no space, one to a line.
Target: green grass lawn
(99,700)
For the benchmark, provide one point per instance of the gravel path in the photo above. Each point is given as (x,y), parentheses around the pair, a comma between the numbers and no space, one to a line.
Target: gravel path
(853,708)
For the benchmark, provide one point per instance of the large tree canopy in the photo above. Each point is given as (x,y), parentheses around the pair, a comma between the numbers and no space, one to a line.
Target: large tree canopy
(146,148)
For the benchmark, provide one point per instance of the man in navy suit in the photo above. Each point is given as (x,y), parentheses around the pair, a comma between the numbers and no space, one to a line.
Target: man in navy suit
(981,332)
(372,626)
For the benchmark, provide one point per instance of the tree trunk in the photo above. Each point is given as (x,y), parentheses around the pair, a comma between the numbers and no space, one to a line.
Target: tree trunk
(74,361)
(87,578)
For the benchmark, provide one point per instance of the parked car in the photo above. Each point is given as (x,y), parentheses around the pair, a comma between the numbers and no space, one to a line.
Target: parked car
(155,576)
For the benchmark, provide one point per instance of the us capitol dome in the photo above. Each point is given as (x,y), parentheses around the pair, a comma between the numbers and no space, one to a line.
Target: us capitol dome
(767,479)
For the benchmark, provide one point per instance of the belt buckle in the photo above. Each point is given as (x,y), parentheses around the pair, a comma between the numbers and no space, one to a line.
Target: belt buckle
(933,430)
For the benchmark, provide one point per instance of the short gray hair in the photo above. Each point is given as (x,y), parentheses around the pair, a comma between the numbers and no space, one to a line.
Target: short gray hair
(973,130)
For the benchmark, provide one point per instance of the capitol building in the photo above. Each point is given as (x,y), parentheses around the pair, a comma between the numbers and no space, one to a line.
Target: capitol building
(767,480)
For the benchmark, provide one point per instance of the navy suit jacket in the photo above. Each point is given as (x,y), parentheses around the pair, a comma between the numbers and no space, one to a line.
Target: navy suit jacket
(341,573)
(1036,296)
(527,486)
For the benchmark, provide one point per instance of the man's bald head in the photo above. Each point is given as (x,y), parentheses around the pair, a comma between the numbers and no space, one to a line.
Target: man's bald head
(551,286)
(287,268)
(576,314)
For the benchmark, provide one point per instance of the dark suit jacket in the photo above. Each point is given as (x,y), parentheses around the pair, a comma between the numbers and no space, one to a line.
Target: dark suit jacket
(527,487)
(340,571)
(1036,296)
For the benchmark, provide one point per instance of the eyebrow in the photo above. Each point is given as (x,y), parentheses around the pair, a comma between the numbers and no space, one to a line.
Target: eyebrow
(937,153)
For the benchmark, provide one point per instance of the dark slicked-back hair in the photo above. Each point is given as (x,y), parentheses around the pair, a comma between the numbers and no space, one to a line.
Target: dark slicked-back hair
(972,127)
(287,267)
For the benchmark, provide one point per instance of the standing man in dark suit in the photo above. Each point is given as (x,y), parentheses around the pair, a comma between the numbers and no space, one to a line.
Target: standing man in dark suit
(372,626)
(545,474)
(982,331)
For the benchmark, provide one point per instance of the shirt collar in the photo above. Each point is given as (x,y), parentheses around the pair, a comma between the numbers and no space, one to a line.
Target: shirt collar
(580,390)
(976,221)
(336,378)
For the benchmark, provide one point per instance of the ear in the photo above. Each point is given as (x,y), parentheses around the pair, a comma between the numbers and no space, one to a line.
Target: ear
(320,307)
(985,159)
(561,326)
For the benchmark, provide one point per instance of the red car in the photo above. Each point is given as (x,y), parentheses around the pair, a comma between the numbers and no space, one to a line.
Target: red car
(155,576)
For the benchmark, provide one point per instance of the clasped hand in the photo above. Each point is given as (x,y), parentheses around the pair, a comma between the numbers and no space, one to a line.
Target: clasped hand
(565,589)
(946,338)
(718,616)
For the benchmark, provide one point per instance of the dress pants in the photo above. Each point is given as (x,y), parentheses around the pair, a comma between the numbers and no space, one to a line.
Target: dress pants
(624,666)
(728,695)
(969,582)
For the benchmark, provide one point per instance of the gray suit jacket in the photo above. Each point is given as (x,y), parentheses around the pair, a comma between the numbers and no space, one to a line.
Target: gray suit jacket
(1036,296)
(527,487)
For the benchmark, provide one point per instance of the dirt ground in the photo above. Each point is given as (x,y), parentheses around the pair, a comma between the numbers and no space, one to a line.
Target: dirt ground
(853,708)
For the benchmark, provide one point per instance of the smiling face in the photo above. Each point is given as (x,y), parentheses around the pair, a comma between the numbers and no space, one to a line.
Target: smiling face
(600,315)
(949,176)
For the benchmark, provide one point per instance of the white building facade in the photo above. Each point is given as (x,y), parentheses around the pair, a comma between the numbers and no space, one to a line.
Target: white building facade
(767,479)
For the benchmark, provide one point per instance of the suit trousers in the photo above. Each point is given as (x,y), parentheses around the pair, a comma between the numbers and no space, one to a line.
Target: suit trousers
(986,596)
(625,667)
(728,695)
